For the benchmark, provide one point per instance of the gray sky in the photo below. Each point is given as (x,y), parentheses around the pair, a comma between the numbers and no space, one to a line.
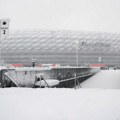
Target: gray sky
(90,15)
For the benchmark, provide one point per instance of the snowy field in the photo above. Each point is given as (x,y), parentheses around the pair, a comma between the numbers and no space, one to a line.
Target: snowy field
(59,104)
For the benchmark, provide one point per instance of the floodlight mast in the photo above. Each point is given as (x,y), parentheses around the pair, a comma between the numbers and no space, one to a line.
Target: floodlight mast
(77,48)
(99,59)
(33,62)
(4,32)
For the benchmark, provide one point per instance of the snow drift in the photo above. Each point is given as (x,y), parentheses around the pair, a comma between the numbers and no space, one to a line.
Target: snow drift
(103,79)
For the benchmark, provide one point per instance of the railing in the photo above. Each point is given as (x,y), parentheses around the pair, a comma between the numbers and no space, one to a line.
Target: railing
(9,82)
(74,81)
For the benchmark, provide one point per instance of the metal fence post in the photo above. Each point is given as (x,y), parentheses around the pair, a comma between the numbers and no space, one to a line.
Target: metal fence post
(75,80)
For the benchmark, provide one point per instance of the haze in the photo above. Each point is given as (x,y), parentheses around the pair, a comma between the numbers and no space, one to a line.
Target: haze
(90,15)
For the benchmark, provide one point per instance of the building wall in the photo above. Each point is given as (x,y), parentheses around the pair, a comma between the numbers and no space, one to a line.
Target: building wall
(61,47)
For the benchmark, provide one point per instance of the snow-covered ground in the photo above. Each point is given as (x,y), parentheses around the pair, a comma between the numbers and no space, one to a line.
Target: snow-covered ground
(59,104)
(104,79)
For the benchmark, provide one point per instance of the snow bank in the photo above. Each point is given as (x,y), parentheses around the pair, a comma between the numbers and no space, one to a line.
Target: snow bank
(103,79)
(50,82)
(59,104)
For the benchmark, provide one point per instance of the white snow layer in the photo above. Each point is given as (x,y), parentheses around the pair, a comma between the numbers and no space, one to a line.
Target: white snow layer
(103,79)
(59,104)
(50,82)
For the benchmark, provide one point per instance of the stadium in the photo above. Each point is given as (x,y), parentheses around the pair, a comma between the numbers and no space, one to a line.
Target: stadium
(61,47)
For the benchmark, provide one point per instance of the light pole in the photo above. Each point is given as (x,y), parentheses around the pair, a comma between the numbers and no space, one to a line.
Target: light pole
(0,54)
(4,32)
(77,48)
(33,62)
(99,60)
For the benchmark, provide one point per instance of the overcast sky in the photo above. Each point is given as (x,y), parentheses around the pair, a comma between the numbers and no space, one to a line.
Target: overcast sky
(90,15)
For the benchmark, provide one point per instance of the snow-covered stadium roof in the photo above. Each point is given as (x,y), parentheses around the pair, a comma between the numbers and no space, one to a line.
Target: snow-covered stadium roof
(60,47)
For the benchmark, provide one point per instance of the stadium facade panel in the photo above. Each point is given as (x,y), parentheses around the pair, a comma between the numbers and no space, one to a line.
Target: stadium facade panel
(61,47)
